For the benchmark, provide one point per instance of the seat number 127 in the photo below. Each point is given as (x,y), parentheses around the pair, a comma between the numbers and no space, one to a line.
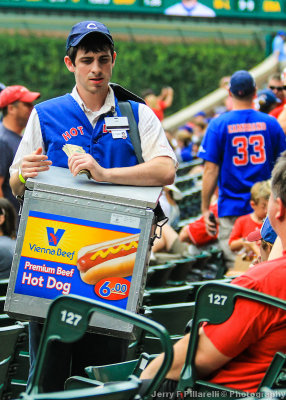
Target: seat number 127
(70,318)
(218,299)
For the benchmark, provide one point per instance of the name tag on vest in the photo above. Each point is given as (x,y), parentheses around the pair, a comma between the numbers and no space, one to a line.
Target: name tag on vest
(117,123)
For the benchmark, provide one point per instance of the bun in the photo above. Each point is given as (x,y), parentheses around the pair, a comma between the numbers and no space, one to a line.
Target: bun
(117,267)
(114,258)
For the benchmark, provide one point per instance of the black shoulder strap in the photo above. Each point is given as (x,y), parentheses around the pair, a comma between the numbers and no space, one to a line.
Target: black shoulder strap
(126,110)
(123,96)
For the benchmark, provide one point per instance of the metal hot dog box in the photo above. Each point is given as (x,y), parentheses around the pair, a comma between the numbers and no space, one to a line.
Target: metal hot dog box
(80,237)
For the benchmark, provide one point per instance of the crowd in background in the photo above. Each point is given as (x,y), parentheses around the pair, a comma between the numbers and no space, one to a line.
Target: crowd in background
(186,141)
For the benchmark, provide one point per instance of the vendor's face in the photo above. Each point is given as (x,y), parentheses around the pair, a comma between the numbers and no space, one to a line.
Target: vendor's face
(92,70)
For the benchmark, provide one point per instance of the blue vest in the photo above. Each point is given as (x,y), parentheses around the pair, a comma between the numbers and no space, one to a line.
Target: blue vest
(64,122)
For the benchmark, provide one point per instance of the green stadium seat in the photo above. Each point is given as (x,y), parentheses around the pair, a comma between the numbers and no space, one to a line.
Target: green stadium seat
(126,390)
(119,371)
(168,295)
(185,167)
(190,204)
(275,373)
(181,270)
(6,320)
(2,302)
(10,336)
(3,286)
(159,275)
(57,329)
(151,344)
(196,285)
(80,382)
(185,182)
(174,317)
(202,260)
(216,313)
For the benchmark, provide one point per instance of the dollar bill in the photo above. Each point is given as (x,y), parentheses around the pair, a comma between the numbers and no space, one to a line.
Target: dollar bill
(70,149)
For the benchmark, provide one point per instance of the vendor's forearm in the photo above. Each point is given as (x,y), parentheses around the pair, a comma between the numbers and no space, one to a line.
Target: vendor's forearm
(18,188)
(159,171)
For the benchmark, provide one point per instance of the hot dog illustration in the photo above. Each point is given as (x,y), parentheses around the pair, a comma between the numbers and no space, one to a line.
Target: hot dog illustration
(114,258)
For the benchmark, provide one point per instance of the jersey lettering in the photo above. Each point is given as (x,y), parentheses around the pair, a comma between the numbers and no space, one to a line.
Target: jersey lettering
(242,144)
(247,127)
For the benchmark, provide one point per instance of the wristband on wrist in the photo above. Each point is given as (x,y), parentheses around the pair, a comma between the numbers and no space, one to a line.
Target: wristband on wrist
(21,177)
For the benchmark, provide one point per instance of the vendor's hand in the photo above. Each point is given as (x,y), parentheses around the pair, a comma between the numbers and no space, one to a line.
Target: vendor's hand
(34,163)
(78,162)
(211,227)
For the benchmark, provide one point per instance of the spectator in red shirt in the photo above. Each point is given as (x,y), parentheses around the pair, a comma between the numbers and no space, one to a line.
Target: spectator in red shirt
(159,103)
(246,224)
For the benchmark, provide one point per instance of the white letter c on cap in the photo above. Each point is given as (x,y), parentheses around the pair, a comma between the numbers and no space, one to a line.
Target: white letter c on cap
(91,26)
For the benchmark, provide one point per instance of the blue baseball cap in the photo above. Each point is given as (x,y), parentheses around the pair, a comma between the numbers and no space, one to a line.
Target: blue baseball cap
(186,128)
(266,233)
(267,97)
(80,30)
(200,114)
(242,83)
(281,33)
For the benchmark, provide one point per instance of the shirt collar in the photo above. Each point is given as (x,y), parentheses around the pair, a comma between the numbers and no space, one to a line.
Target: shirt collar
(109,104)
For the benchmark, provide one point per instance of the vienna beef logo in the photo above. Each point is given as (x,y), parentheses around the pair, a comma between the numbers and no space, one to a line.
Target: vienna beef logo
(54,237)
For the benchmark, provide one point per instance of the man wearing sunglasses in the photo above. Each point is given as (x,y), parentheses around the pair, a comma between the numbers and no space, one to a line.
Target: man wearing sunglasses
(275,84)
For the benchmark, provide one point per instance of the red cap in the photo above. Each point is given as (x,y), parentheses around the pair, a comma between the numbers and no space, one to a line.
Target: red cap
(17,93)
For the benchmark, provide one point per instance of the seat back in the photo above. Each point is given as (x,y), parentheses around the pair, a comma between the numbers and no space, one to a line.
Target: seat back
(67,321)
(3,286)
(173,316)
(277,365)
(159,274)
(214,304)
(119,371)
(10,341)
(126,390)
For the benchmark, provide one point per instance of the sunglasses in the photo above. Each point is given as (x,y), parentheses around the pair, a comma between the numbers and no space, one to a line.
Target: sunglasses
(279,88)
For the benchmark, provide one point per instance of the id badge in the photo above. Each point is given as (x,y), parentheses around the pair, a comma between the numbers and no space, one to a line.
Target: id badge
(119,134)
(116,123)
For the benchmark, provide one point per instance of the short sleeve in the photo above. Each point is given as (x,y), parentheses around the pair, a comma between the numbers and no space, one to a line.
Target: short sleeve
(211,148)
(242,329)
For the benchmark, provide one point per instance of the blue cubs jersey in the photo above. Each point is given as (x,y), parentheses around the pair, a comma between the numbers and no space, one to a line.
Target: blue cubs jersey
(245,144)
(64,122)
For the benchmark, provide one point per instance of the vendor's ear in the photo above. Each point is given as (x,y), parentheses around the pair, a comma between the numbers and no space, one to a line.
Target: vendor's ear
(69,64)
